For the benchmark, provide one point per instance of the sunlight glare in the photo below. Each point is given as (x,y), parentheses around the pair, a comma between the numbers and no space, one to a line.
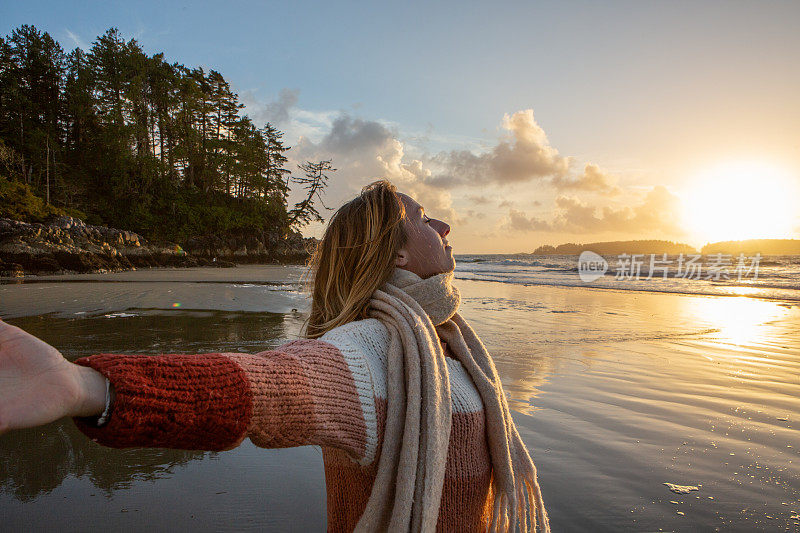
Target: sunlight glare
(742,200)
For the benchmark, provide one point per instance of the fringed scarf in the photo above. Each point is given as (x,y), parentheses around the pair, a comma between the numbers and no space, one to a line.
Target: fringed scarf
(407,491)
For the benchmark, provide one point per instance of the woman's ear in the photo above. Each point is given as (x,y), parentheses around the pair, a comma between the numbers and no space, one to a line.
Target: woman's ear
(401,259)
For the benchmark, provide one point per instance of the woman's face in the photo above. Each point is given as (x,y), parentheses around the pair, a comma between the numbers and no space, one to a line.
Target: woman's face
(426,252)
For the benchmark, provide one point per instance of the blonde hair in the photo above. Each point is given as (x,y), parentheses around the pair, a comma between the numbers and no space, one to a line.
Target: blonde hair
(355,256)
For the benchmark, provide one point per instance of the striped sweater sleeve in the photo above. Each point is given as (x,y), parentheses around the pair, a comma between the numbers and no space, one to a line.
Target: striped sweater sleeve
(301,393)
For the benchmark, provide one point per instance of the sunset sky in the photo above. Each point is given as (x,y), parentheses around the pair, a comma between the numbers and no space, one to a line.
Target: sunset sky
(520,124)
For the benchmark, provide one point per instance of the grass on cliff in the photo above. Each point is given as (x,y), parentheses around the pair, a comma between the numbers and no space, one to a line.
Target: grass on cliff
(18,202)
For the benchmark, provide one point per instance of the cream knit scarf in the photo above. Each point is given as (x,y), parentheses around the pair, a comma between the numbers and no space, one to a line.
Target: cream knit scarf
(410,474)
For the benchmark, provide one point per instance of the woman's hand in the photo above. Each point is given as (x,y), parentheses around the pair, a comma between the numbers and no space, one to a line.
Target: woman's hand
(37,385)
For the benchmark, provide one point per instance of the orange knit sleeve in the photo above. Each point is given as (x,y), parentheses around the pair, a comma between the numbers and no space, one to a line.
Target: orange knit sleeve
(301,393)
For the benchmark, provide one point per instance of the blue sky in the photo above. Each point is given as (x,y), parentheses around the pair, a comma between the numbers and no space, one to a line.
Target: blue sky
(588,121)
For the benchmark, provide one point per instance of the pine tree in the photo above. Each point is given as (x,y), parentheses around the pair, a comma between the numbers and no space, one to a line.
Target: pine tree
(277,176)
(32,67)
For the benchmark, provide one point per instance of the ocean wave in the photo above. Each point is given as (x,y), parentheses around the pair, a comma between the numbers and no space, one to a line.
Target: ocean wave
(765,290)
(777,276)
(613,271)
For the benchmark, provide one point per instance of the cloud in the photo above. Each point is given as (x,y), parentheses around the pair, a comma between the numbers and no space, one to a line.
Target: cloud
(656,212)
(366,150)
(518,221)
(348,135)
(592,179)
(277,112)
(524,154)
(511,203)
(309,124)
(76,40)
(478,200)
(471,213)
(660,211)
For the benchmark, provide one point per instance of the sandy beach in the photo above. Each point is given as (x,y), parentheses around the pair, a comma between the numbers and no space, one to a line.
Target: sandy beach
(615,393)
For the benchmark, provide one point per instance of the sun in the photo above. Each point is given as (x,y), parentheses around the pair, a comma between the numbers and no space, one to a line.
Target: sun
(742,200)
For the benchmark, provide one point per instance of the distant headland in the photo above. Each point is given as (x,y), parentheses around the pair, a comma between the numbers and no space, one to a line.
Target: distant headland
(747,247)
(618,247)
(753,246)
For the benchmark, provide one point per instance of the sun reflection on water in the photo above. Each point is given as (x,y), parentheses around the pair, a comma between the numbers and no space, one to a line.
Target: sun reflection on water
(740,321)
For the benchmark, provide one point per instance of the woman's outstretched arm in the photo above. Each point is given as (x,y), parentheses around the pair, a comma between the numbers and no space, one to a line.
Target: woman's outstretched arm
(303,392)
(37,385)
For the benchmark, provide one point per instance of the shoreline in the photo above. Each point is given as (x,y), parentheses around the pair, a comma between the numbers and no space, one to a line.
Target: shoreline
(201,262)
(787,302)
(273,278)
(66,245)
(184,273)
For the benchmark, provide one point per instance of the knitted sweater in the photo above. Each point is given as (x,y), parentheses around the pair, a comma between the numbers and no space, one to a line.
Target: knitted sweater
(329,392)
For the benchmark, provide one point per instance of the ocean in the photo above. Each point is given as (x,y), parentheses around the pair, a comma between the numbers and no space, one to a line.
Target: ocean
(770,276)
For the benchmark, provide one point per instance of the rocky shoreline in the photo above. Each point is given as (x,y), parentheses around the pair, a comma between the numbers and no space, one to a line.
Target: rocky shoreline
(68,245)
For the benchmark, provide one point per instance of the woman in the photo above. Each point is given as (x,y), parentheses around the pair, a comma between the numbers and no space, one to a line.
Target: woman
(389,380)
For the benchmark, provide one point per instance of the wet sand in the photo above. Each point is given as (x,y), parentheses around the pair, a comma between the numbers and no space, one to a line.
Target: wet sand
(614,392)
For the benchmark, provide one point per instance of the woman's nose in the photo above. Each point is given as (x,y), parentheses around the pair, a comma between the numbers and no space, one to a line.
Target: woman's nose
(442,228)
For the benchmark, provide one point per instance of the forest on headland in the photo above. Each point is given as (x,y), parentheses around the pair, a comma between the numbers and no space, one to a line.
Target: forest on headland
(749,247)
(116,137)
(617,247)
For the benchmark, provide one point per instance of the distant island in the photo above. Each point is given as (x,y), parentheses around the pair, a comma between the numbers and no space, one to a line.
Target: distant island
(617,248)
(753,246)
(748,247)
